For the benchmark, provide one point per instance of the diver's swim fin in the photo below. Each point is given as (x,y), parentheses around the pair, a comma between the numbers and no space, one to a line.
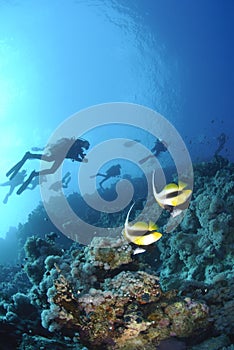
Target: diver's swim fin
(16,168)
(146,158)
(27,182)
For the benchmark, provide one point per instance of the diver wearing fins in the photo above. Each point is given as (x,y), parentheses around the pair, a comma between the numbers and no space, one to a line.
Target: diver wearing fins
(159,147)
(53,153)
(113,171)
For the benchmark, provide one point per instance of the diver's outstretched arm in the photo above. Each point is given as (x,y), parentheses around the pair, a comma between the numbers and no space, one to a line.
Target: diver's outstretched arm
(8,183)
(16,168)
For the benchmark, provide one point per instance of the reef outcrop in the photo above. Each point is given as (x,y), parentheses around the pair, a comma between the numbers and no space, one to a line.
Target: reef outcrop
(102,296)
(111,307)
(201,248)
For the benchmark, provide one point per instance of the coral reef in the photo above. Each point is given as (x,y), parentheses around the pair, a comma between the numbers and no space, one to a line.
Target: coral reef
(178,295)
(39,342)
(201,249)
(109,254)
(213,343)
(126,311)
(98,307)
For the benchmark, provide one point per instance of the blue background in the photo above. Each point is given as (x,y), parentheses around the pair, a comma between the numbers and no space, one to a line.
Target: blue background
(58,57)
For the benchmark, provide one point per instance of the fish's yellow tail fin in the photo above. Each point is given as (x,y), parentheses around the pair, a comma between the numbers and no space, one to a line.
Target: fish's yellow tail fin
(152,226)
(182,185)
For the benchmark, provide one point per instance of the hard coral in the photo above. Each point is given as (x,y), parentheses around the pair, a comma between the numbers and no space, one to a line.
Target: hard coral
(110,308)
(201,246)
(109,253)
(186,317)
(128,310)
(139,286)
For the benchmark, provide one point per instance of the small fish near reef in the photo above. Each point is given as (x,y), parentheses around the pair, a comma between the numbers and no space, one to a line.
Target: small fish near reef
(141,233)
(173,197)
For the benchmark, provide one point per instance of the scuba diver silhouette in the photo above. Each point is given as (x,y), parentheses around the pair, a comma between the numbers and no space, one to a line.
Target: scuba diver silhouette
(113,171)
(53,153)
(13,183)
(159,147)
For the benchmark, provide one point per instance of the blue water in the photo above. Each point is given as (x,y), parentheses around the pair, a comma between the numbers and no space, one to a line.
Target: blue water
(59,57)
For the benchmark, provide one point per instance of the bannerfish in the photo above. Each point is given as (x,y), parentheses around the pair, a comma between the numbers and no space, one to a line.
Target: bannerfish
(173,197)
(141,233)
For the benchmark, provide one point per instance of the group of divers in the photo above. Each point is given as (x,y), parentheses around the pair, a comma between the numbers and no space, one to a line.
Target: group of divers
(173,197)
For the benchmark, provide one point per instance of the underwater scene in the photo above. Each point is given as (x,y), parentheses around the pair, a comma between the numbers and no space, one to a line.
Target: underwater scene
(117,175)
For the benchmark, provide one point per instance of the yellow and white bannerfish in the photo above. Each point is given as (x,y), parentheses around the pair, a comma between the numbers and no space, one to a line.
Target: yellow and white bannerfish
(141,233)
(173,197)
